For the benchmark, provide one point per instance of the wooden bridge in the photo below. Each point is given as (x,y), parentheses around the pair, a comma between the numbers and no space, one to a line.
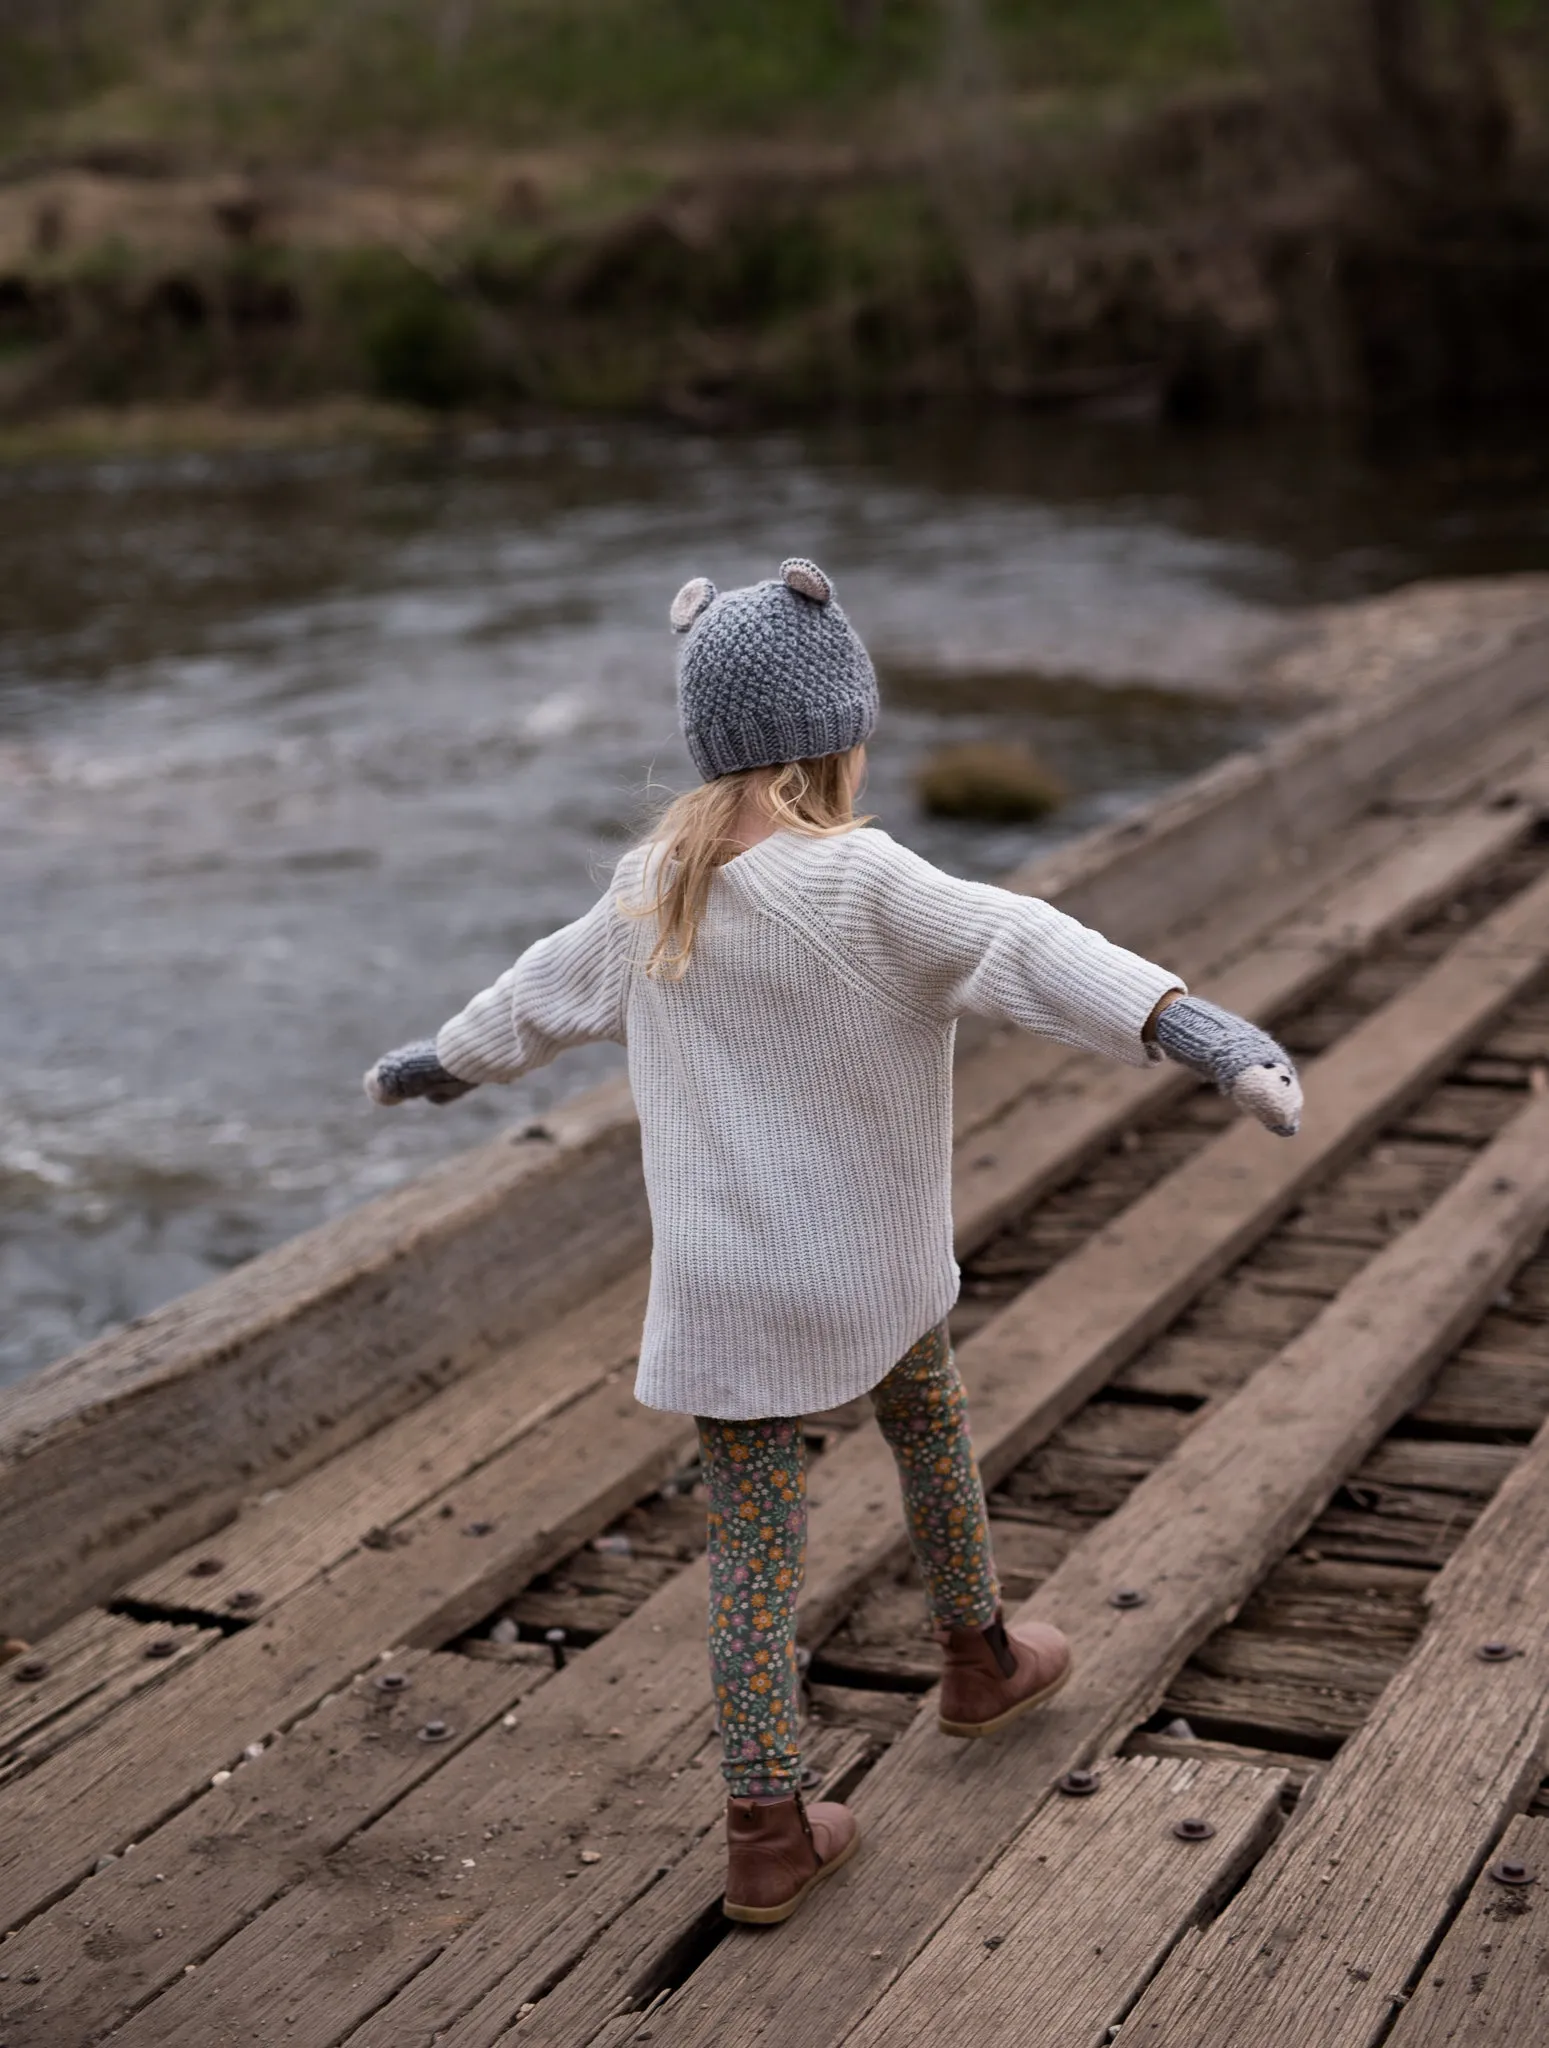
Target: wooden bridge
(364,1698)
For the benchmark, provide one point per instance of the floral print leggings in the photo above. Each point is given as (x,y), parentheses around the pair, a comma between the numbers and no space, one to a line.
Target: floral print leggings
(757,1479)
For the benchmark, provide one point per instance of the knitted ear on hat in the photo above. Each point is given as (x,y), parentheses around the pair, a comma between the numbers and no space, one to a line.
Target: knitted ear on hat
(695,597)
(806,579)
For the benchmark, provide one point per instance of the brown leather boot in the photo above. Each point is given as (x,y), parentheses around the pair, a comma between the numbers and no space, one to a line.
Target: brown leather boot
(993,1674)
(777,1850)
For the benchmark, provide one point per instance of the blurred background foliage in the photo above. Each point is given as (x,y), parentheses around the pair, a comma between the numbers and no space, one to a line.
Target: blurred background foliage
(1211,206)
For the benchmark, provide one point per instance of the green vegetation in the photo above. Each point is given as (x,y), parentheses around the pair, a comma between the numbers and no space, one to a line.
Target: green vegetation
(317,74)
(710,206)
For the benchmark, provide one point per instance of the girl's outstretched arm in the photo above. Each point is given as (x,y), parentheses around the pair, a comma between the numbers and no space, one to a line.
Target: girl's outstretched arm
(566,990)
(1243,1061)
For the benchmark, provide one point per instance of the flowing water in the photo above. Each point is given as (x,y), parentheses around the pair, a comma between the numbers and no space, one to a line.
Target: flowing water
(296,753)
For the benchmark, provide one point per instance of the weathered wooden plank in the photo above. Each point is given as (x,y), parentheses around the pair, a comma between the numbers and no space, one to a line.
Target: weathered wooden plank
(521,1512)
(1488,1986)
(1332,1926)
(1488,1390)
(1248,1679)
(281,1543)
(265,1373)
(1193,1538)
(131,1930)
(626,1972)
(91,1664)
(1059,1937)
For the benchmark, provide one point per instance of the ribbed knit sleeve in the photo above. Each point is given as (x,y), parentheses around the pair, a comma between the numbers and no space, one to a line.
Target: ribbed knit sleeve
(946,946)
(566,990)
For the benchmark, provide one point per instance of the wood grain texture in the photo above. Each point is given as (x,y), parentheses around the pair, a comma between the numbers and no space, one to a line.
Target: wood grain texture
(1488,1984)
(93,1663)
(265,1373)
(1335,1922)
(533,1504)
(1194,1537)
(131,1930)
(1057,1940)
(277,1546)
(625,1964)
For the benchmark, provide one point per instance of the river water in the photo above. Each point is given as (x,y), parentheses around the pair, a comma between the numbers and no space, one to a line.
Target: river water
(297,752)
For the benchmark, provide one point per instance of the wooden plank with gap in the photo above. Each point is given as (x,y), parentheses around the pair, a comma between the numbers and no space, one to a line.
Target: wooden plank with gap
(520,1513)
(279,1545)
(1059,1937)
(1332,1926)
(1488,1984)
(1192,1539)
(133,1928)
(88,1667)
(849,1538)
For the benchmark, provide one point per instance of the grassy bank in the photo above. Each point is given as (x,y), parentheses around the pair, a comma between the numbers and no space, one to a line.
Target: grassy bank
(716,206)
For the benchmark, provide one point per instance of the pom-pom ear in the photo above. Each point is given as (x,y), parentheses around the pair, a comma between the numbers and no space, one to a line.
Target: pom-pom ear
(806,579)
(690,601)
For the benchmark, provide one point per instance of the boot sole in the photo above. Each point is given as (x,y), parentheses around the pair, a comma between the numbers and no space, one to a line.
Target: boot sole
(969,1729)
(771,1916)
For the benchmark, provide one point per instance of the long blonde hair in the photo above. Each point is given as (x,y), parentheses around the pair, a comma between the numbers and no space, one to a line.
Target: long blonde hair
(694,837)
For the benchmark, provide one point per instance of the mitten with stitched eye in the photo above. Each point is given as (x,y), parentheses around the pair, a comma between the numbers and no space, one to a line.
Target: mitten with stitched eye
(1243,1061)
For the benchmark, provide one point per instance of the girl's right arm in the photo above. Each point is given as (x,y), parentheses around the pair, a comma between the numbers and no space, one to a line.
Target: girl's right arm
(566,990)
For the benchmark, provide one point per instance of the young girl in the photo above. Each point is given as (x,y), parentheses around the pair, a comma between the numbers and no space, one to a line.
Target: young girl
(787,985)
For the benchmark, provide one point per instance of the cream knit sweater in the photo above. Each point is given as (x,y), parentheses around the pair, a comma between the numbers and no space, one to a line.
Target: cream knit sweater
(795,1096)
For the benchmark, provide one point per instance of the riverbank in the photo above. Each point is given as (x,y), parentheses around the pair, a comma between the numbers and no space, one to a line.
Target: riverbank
(1159,225)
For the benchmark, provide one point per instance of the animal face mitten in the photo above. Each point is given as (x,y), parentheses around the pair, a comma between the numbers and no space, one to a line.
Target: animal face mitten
(1244,1062)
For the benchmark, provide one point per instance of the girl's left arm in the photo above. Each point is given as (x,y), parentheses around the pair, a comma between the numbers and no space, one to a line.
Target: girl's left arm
(566,990)
(1017,959)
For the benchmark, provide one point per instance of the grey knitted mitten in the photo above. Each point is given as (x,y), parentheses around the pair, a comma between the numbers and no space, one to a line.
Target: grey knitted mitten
(1243,1062)
(414,1070)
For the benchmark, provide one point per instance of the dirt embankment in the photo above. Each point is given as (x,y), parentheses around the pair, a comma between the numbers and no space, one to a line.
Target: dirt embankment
(1204,260)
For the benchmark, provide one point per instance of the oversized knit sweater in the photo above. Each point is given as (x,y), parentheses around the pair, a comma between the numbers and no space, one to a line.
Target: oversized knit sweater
(795,1096)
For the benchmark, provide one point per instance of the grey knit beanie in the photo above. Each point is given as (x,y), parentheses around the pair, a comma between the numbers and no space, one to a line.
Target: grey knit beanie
(772,673)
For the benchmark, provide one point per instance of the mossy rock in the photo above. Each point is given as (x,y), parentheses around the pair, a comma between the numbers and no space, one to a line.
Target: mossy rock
(992,782)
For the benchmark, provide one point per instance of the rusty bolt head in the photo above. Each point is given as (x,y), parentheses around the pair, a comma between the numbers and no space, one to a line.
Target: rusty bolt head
(1496,1653)
(811,1778)
(30,1670)
(1511,1870)
(160,1646)
(478,1529)
(436,1731)
(207,1568)
(245,1601)
(392,1681)
(1193,1829)
(1126,1597)
(1079,1784)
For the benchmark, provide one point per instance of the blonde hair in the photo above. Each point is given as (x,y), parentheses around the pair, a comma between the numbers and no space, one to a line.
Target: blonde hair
(693,838)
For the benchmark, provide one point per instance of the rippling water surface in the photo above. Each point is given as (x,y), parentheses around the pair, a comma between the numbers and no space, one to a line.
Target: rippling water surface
(297,753)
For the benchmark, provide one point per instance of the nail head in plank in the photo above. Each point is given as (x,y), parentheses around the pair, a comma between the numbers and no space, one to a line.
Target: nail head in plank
(1060,1936)
(91,1664)
(1197,1534)
(1488,1985)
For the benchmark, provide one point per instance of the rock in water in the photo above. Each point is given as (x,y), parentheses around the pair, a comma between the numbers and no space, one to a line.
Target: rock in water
(999,783)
